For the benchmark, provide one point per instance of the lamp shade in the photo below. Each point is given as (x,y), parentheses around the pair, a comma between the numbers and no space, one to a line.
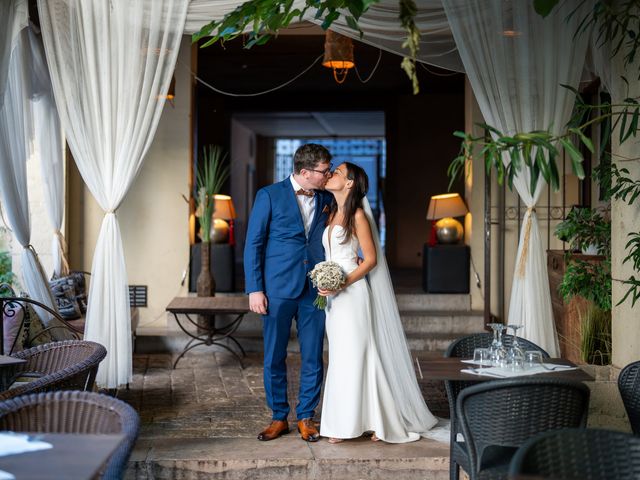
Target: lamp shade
(224,208)
(338,51)
(446,205)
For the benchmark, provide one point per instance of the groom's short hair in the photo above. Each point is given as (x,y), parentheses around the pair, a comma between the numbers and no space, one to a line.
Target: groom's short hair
(309,156)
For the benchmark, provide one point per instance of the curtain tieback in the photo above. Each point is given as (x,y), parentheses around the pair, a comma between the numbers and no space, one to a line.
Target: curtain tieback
(525,245)
(62,249)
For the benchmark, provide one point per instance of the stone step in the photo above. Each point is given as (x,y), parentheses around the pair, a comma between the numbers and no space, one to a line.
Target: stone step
(433,301)
(449,322)
(413,321)
(428,331)
(285,458)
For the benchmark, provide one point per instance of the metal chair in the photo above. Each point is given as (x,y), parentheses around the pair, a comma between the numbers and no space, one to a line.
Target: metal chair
(579,454)
(463,348)
(67,365)
(498,417)
(75,412)
(629,386)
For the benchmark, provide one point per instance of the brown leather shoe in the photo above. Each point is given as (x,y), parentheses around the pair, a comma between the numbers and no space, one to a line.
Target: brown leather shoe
(274,430)
(308,430)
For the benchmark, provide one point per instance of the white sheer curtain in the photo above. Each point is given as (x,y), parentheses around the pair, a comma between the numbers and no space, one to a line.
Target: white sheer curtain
(380,25)
(109,63)
(16,137)
(49,149)
(14,16)
(516,62)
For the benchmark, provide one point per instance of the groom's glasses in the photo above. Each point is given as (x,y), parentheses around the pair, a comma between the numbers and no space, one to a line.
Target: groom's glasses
(325,172)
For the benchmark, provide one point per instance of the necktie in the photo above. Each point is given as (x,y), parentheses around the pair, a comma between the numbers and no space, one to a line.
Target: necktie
(304,192)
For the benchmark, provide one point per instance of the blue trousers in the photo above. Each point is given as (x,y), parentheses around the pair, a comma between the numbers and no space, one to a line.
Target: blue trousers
(276,328)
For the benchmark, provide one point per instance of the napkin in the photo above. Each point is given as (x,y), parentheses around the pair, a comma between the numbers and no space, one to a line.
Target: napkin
(498,372)
(14,443)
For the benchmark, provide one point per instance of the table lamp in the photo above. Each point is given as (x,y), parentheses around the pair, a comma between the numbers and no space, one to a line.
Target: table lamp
(443,208)
(221,230)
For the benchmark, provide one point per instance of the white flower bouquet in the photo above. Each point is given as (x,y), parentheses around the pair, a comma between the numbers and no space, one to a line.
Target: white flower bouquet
(327,276)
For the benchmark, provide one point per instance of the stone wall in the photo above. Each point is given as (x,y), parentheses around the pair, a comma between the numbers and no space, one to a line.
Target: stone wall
(606,409)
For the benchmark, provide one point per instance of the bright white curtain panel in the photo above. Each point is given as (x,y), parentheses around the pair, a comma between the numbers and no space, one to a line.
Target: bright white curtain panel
(111,64)
(49,149)
(14,16)
(16,141)
(516,62)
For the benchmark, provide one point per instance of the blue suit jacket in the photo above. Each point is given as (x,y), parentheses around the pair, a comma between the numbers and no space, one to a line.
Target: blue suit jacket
(277,254)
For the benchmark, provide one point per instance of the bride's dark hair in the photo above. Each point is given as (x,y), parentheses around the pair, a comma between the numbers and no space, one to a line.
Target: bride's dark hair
(354,199)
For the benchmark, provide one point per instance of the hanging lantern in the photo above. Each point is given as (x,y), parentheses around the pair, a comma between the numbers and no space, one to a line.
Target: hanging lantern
(338,55)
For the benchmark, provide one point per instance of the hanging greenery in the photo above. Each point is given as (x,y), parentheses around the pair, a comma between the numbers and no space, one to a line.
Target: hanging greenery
(260,20)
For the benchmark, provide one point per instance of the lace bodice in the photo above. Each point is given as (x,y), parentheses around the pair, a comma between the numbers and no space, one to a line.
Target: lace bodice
(345,254)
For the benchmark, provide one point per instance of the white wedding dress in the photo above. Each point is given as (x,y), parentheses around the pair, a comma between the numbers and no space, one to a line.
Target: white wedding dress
(358,393)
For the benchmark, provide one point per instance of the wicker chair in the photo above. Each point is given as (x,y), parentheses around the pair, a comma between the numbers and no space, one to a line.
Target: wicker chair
(629,386)
(498,417)
(67,365)
(584,454)
(75,412)
(463,348)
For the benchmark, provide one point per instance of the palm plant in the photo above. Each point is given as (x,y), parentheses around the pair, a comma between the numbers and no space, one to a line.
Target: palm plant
(209,180)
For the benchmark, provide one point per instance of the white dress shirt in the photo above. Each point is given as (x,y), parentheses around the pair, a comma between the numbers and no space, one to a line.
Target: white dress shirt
(306,204)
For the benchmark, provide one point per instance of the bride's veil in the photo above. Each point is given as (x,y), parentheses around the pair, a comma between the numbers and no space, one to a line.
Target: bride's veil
(392,343)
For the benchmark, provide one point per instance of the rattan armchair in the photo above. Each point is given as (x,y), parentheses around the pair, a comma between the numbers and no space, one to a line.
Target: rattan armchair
(75,412)
(498,417)
(579,454)
(463,348)
(67,365)
(629,386)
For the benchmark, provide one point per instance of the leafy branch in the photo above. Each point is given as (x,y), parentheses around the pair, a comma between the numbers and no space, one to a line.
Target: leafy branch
(408,12)
(263,18)
(508,154)
(589,280)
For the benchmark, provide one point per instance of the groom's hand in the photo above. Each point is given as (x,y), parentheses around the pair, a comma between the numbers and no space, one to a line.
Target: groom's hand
(258,303)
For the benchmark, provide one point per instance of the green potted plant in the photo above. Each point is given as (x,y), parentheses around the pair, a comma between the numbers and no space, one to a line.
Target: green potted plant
(209,180)
(586,230)
(589,231)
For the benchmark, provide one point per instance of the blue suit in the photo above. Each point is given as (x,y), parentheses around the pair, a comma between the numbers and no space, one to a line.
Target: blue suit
(277,259)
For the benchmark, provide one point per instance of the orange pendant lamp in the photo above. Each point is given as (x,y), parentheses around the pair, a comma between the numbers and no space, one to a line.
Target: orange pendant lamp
(338,55)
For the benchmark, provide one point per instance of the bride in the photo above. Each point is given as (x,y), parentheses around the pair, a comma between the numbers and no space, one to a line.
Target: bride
(371,385)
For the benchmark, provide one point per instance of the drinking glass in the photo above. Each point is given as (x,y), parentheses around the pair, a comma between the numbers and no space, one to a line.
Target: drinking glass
(532,358)
(482,357)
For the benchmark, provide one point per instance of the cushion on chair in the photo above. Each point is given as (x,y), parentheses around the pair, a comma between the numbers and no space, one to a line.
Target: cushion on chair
(14,335)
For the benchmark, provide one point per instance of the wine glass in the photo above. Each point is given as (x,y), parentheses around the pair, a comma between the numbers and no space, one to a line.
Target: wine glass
(515,354)
(498,352)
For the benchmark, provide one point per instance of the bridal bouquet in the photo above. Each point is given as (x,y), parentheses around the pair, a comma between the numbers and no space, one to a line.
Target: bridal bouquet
(327,276)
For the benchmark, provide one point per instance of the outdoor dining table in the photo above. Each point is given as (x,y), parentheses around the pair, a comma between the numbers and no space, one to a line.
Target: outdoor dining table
(213,333)
(449,368)
(7,369)
(73,457)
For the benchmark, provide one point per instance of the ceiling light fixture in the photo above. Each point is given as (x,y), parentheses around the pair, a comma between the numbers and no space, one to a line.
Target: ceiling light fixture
(338,55)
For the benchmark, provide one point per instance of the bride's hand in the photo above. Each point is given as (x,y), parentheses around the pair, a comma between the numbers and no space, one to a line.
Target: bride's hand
(327,293)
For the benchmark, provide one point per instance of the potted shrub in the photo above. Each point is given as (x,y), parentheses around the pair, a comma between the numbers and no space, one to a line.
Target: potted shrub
(210,177)
(589,278)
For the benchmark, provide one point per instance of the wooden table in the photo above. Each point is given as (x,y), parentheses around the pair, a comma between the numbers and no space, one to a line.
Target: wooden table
(7,370)
(213,334)
(73,457)
(448,368)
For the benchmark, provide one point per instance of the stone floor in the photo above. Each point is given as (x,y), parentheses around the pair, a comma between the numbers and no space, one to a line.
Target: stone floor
(201,419)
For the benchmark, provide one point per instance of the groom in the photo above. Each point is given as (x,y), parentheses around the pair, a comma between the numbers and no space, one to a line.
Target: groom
(284,242)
